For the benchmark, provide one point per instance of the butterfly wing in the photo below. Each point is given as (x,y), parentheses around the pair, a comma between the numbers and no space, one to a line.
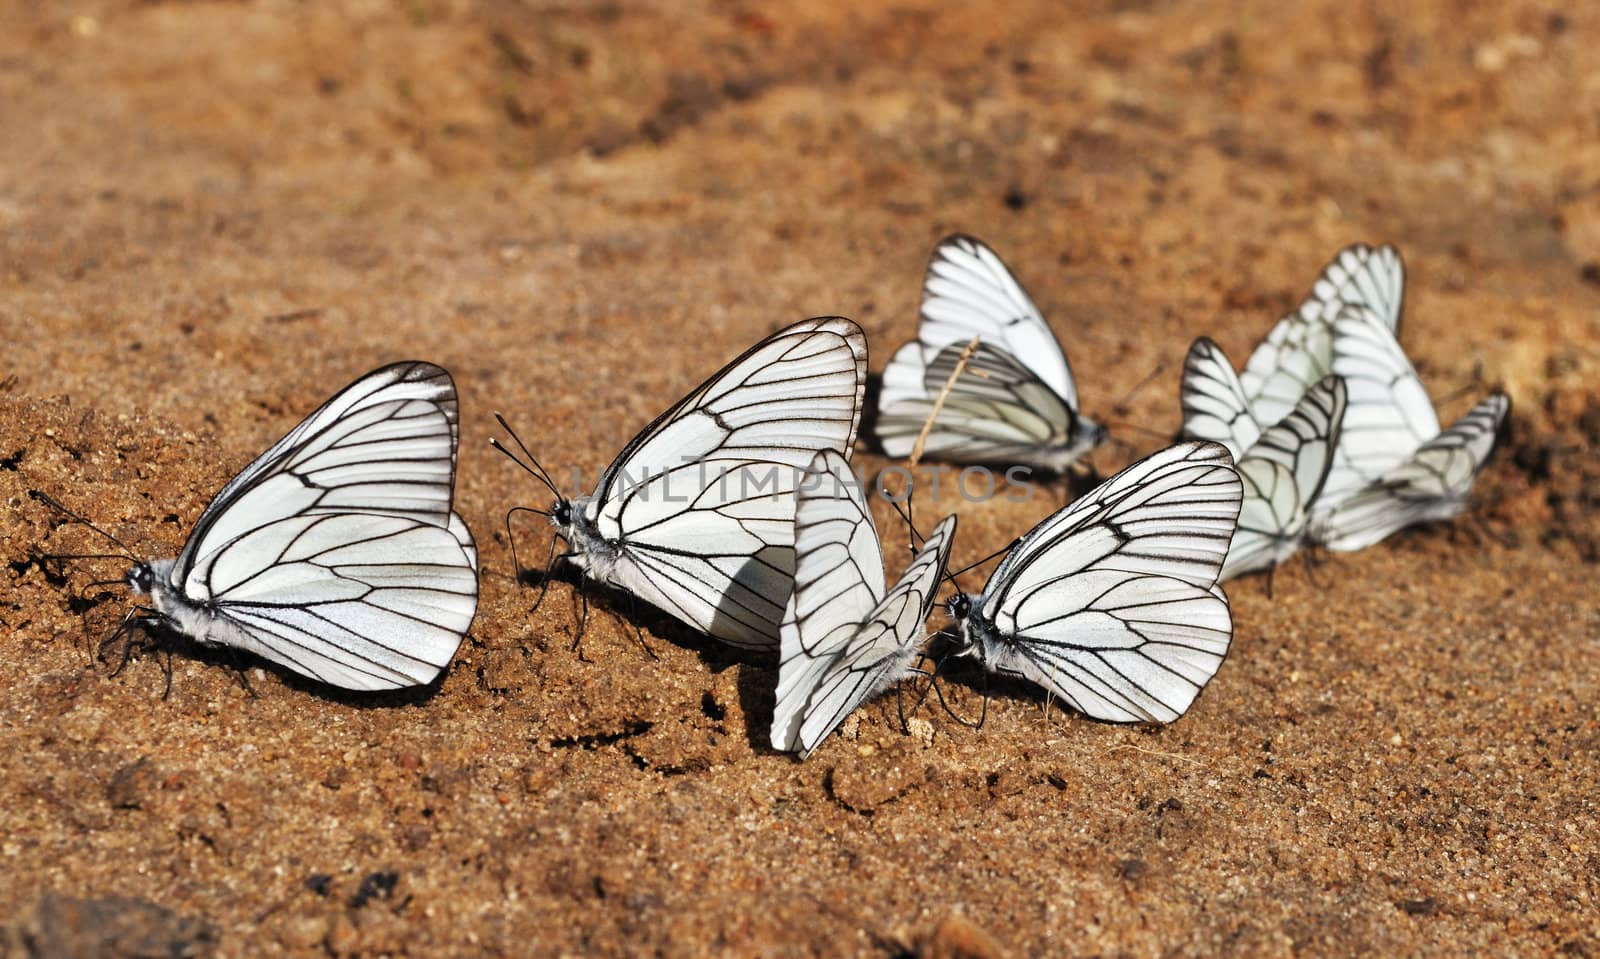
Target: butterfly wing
(384,444)
(1029,416)
(1298,351)
(701,503)
(355,600)
(1112,603)
(997,411)
(336,553)
(842,638)
(1283,474)
(1372,277)
(1296,354)
(1432,485)
(1389,414)
(1214,404)
(969,291)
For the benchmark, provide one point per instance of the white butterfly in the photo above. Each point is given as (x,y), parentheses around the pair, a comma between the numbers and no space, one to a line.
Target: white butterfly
(696,514)
(1394,467)
(1113,603)
(1283,466)
(1298,351)
(1016,402)
(336,554)
(844,639)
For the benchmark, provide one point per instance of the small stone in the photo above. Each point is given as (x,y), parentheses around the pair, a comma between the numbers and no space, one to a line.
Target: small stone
(343,937)
(956,937)
(304,932)
(131,785)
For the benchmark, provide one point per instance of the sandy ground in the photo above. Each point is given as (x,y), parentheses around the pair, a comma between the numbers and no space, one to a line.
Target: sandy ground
(212,215)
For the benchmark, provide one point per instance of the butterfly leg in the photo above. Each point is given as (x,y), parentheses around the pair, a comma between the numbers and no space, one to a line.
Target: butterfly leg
(1311,567)
(899,697)
(544,580)
(982,715)
(1271,572)
(638,631)
(240,667)
(932,675)
(136,617)
(583,621)
(167,690)
(80,599)
(1482,528)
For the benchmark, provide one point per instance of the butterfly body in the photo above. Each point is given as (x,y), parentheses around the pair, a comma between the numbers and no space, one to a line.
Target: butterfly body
(588,549)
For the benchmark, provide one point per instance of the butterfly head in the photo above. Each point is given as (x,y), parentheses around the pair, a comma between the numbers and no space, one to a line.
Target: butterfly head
(964,639)
(1098,433)
(959,607)
(141,578)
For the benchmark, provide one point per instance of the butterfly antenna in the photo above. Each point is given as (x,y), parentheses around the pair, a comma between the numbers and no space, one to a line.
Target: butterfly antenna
(1120,407)
(55,504)
(1119,426)
(638,631)
(535,470)
(972,566)
(938,401)
(915,536)
(1311,568)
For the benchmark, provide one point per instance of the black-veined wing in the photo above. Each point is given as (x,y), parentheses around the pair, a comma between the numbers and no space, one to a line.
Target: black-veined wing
(969,292)
(997,411)
(843,638)
(1112,603)
(336,553)
(1214,403)
(1389,414)
(1283,475)
(1431,485)
(696,516)
(1298,351)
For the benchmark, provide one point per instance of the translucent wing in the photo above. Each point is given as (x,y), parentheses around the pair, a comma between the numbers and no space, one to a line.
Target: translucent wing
(1214,404)
(969,291)
(1027,415)
(355,600)
(384,444)
(1283,474)
(1360,274)
(842,640)
(1112,603)
(1431,485)
(1389,414)
(701,503)
(1298,351)
(1296,354)
(336,553)
(997,411)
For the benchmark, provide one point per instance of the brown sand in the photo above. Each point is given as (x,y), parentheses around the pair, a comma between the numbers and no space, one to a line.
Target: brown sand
(213,214)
